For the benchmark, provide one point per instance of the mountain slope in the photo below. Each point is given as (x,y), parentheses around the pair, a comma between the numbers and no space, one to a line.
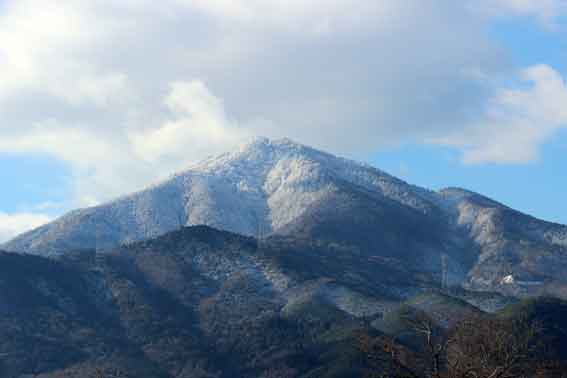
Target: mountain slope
(197,302)
(282,188)
(263,188)
(204,303)
(518,254)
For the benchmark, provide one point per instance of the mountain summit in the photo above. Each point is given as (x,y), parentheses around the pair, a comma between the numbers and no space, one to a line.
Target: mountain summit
(259,189)
(281,188)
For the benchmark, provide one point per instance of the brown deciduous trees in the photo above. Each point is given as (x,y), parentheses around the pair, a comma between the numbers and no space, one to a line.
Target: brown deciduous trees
(480,346)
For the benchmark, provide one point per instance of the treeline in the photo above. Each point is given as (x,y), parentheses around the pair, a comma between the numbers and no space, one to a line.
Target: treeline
(527,340)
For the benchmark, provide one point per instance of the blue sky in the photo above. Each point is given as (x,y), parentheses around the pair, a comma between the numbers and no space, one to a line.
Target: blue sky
(98,99)
(50,183)
(535,188)
(538,187)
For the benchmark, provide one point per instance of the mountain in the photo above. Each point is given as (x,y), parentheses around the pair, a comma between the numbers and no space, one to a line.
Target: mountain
(196,303)
(262,188)
(280,188)
(205,303)
(517,254)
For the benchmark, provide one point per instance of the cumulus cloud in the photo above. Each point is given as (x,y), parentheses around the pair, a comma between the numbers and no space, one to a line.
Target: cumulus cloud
(107,164)
(128,92)
(199,125)
(43,49)
(517,122)
(14,224)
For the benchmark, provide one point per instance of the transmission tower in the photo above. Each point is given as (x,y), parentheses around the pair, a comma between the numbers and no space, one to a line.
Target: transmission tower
(261,233)
(444,272)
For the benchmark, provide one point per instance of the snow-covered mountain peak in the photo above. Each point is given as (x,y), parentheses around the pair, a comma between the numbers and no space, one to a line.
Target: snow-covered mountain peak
(266,166)
(282,187)
(258,152)
(263,159)
(262,186)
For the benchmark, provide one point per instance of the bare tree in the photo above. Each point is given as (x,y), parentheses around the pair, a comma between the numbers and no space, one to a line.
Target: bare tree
(433,339)
(492,348)
(480,346)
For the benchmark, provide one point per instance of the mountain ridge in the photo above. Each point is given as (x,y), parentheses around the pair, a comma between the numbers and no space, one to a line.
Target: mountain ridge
(201,302)
(262,158)
(283,188)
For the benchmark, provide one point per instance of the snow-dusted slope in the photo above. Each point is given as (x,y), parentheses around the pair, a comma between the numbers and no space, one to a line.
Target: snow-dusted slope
(257,190)
(281,187)
(517,254)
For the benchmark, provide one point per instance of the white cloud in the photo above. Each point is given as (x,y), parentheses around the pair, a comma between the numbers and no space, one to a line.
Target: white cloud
(106,165)
(128,92)
(102,166)
(200,127)
(517,122)
(43,49)
(14,224)
(314,17)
